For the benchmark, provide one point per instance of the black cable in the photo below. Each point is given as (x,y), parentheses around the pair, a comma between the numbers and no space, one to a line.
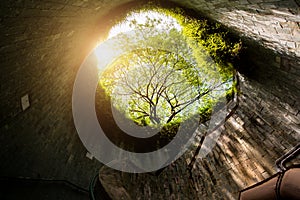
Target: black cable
(92,185)
(102,194)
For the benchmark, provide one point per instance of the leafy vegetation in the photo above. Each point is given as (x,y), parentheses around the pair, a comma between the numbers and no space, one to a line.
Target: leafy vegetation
(170,74)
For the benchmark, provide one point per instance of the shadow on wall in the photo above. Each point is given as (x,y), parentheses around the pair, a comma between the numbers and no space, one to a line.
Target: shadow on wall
(277,73)
(265,126)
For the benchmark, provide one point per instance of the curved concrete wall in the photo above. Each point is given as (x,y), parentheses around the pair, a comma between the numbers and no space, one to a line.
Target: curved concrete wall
(273,23)
(43,44)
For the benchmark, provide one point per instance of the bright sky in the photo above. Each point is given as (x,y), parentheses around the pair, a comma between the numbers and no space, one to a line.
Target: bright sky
(141,19)
(106,51)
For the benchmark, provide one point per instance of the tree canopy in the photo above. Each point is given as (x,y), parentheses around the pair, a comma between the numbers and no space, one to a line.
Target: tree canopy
(166,74)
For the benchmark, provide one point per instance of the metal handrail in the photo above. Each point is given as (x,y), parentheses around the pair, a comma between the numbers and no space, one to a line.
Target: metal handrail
(286,157)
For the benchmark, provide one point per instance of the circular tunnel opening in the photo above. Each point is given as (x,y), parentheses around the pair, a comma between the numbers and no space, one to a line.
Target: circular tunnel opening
(159,67)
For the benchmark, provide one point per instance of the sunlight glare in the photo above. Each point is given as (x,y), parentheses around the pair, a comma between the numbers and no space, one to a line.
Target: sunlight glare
(108,51)
(141,18)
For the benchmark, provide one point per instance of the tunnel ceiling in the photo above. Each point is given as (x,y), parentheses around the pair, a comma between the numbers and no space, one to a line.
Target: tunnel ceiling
(274,24)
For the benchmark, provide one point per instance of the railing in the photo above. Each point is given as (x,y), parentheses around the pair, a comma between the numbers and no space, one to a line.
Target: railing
(96,189)
(287,157)
(283,185)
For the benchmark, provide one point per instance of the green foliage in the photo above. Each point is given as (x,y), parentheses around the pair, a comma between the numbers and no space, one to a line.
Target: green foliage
(152,82)
(169,130)
(161,86)
(216,40)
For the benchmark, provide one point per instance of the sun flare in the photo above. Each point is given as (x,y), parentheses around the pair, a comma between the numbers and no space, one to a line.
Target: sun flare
(107,51)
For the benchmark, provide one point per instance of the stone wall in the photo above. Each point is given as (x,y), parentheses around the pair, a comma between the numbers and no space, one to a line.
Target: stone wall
(43,43)
(274,23)
(265,125)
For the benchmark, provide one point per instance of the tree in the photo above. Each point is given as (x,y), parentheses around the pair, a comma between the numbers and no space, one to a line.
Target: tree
(155,86)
